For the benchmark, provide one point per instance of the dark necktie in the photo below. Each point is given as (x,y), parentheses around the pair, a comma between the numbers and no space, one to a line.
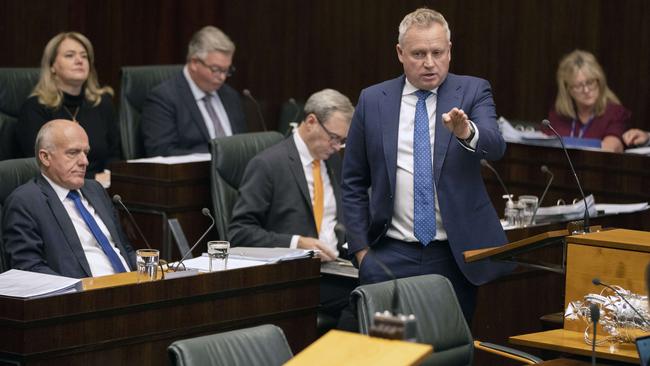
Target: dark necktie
(424,215)
(218,129)
(97,232)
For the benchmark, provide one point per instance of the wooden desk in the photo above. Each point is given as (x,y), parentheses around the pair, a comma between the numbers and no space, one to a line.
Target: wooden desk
(135,323)
(343,348)
(157,192)
(569,341)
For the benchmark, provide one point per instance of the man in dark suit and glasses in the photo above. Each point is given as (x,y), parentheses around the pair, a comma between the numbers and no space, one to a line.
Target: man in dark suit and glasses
(289,195)
(181,115)
(60,223)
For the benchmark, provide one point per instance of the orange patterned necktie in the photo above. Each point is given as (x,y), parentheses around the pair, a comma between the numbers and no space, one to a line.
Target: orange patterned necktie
(318,194)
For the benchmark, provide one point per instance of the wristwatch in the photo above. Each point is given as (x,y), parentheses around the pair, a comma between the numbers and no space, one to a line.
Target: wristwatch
(472,133)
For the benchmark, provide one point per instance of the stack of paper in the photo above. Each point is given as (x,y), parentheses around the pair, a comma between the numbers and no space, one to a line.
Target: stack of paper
(566,212)
(27,285)
(269,255)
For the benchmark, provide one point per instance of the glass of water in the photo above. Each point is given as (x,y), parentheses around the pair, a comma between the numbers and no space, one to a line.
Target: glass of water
(528,205)
(218,253)
(147,260)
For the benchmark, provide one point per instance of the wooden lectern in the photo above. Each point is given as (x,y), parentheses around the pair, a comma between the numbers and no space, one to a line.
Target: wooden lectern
(617,257)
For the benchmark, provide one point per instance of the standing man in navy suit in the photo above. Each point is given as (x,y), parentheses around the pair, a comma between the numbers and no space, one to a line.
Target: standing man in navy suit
(181,115)
(60,223)
(412,192)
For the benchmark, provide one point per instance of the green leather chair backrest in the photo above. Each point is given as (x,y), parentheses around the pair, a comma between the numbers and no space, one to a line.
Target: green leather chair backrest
(439,318)
(137,81)
(264,345)
(13,173)
(15,86)
(292,111)
(230,155)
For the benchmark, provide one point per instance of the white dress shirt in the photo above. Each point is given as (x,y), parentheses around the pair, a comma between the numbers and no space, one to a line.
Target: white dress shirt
(401,226)
(99,263)
(216,104)
(327,234)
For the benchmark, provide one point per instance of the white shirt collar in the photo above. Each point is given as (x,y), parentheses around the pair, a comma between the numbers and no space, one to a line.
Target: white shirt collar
(303,150)
(411,89)
(196,91)
(61,192)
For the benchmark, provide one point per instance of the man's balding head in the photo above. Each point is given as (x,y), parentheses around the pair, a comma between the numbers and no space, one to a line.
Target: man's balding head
(61,151)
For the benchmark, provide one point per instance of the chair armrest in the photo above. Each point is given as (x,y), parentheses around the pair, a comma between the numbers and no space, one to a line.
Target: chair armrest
(508,352)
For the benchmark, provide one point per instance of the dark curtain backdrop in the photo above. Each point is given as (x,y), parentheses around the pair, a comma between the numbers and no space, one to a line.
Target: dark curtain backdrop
(294,47)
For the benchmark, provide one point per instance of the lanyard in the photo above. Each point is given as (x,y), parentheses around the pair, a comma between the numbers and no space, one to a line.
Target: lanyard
(582,128)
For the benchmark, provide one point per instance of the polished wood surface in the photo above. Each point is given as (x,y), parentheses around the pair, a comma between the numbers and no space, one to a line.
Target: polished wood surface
(134,323)
(569,341)
(344,348)
(480,254)
(155,193)
(597,256)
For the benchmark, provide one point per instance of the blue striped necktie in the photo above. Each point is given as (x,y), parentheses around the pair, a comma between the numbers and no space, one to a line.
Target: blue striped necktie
(424,215)
(97,232)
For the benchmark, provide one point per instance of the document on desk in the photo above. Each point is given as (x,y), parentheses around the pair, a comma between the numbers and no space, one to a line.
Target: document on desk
(566,212)
(202,263)
(639,150)
(29,285)
(170,160)
(612,208)
(269,255)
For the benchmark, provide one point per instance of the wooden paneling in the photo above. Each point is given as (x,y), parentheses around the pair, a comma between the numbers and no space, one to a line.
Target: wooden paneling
(292,48)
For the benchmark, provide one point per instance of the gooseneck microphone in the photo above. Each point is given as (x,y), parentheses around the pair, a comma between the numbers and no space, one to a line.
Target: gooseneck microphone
(596,281)
(117,199)
(546,171)
(547,123)
(594,313)
(248,95)
(205,212)
(294,104)
(487,165)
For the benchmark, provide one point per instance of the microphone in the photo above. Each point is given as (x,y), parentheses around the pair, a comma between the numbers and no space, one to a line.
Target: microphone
(596,281)
(594,313)
(118,199)
(547,123)
(391,324)
(205,212)
(248,94)
(487,165)
(546,171)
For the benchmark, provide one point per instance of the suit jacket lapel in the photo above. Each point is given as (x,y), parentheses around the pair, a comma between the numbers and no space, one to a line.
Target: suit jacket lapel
(333,171)
(191,103)
(63,220)
(389,107)
(449,96)
(295,165)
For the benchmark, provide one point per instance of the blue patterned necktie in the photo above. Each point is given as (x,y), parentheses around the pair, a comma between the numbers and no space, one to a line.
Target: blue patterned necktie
(424,218)
(97,232)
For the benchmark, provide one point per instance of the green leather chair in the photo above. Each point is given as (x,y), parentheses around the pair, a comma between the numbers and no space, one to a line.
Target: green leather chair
(230,155)
(13,173)
(15,86)
(439,318)
(137,81)
(260,346)
(292,111)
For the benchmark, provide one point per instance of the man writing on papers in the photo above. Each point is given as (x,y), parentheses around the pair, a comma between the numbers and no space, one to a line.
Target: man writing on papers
(60,223)
(289,195)
(413,197)
(182,114)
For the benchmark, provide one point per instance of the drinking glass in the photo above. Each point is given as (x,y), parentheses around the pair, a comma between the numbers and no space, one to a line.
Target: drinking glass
(147,260)
(218,254)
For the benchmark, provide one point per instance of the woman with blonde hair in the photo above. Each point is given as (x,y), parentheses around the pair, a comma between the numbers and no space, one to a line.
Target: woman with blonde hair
(68,89)
(585,107)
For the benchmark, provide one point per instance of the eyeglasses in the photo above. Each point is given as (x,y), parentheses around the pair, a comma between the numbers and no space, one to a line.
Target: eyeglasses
(217,70)
(338,140)
(588,85)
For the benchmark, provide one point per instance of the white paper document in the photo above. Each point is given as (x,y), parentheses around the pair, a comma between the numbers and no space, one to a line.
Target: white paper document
(202,263)
(170,160)
(639,150)
(269,255)
(27,285)
(615,208)
(566,212)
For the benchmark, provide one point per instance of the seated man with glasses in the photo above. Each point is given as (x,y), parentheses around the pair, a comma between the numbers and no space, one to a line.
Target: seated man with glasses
(182,114)
(290,193)
(585,107)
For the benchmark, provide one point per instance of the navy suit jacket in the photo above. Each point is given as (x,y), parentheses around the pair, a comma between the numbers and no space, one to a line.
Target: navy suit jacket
(39,235)
(370,164)
(274,202)
(172,123)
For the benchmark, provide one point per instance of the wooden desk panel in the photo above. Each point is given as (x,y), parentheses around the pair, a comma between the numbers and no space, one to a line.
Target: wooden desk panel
(133,324)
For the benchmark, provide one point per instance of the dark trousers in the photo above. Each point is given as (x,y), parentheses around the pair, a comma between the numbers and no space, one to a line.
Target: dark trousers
(335,301)
(407,259)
